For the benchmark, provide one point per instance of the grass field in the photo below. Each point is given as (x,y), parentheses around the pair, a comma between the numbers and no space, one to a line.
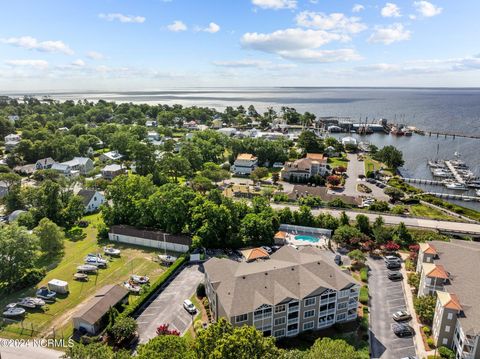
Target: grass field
(421,210)
(337,161)
(372,165)
(58,315)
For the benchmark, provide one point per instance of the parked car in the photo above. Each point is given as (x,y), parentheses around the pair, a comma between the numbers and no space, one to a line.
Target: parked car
(338,259)
(401,315)
(393,265)
(395,276)
(390,259)
(267,249)
(189,307)
(402,330)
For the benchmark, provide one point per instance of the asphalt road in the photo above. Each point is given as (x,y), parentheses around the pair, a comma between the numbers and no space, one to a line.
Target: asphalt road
(386,297)
(167,308)
(449,226)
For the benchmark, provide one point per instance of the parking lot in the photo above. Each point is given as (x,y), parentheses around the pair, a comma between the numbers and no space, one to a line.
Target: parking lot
(167,308)
(386,298)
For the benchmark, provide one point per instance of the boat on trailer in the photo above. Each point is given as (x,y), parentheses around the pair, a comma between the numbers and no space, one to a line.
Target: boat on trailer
(11,310)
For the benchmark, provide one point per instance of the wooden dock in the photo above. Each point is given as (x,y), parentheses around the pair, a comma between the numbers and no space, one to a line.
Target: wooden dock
(452,134)
(424,181)
(459,197)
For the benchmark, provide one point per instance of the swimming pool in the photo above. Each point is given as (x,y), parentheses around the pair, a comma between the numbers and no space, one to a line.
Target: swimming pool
(307,239)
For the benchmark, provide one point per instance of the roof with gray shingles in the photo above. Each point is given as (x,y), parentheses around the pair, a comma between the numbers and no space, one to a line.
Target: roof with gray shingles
(460,259)
(289,274)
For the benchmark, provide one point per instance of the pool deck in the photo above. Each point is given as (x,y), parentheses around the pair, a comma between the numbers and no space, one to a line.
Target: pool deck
(290,238)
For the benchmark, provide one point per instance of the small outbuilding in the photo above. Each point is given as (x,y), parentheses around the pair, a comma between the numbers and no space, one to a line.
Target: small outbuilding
(91,317)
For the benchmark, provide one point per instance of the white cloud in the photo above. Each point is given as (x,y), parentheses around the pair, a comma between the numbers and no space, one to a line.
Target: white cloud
(389,34)
(212,28)
(275,4)
(31,43)
(177,26)
(427,9)
(78,63)
(94,55)
(250,63)
(358,8)
(300,44)
(122,18)
(35,64)
(390,10)
(333,22)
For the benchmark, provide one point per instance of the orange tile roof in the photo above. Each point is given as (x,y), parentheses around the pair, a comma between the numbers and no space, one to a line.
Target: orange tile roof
(246,156)
(430,249)
(281,234)
(454,302)
(316,156)
(255,253)
(438,271)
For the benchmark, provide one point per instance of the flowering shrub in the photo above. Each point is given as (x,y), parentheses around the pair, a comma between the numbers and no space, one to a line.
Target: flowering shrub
(163,330)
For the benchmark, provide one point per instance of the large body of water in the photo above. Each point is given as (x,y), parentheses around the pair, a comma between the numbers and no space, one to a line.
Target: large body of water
(454,110)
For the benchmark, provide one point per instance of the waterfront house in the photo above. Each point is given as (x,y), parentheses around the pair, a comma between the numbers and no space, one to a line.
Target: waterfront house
(150,238)
(290,292)
(349,141)
(244,164)
(304,168)
(91,318)
(92,200)
(450,271)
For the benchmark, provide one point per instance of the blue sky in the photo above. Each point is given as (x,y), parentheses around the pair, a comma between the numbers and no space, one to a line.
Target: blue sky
(159,44)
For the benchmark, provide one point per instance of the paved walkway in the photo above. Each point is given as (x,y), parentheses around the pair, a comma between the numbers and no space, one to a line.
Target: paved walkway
(446,226)
(167,308)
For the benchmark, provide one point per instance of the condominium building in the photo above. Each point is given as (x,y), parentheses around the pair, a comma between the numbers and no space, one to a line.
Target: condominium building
(449,270)
(288,293)
(244,164)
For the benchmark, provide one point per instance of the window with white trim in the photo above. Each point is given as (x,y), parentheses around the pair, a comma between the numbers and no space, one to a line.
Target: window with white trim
(309,301)
(280,321)
(241,318)
(447,328)
(280,308)
(308,325)
(450,316)
(341,316)
(344,293)
(342,305)
(445,341)
(279,333)
(308,314)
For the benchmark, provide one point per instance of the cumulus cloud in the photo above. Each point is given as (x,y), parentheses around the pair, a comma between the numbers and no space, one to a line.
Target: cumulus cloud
(212,28)
(390,34)
(31,43)
(275,4)
(300,44)
(177,26)
(333,22)
(78,63)
(35,64)
(122,18)
(427,9)
(391,10)
(358,8)
(94,55)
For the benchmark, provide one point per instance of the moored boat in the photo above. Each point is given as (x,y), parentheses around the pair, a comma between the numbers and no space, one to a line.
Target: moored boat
(132,287)
(87,268)
(11,310)
(45,293)
(456,186)
(111,251)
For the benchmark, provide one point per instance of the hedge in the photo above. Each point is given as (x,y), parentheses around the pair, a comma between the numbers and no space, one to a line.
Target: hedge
(133,307)
(363,297)
(364,274)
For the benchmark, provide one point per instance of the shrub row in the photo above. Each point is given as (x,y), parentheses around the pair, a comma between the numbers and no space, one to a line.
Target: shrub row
(363,297)
(364,274)
(133,307)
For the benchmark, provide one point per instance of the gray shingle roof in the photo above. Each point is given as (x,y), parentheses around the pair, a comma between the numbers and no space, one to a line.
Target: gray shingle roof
(289,274)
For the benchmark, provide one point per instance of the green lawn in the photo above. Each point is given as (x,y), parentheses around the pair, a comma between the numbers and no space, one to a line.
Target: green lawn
(372,165)
(337,161)
(58,315)
(421,210)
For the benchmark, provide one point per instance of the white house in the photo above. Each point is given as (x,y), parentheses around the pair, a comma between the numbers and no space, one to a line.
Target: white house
(150,238)
(11,141)
(81,164)
(63,169)
(44,163)
(151,124)
(153,136)
(244,164)
(349,141)
(92,200)
(111,156)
